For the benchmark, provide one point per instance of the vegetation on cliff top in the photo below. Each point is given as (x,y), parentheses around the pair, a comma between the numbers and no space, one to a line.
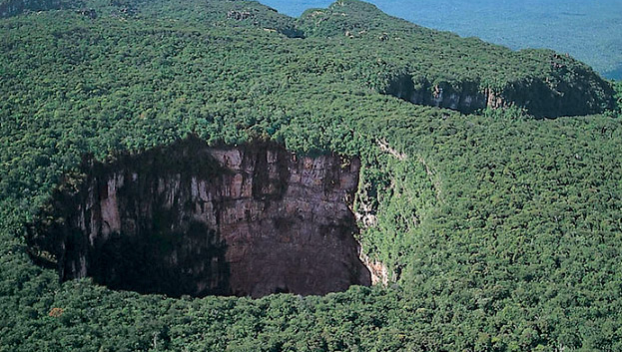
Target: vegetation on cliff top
(502,231)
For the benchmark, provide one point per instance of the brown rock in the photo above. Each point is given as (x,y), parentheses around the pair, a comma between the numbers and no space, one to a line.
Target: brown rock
(189,219)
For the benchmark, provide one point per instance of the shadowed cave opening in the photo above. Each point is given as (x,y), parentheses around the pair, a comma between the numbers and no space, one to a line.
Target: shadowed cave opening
(189,219)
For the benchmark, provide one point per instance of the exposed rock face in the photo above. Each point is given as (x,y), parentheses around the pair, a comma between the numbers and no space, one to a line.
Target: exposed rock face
(582,94)
(189,219)
(467,99)
(16,7)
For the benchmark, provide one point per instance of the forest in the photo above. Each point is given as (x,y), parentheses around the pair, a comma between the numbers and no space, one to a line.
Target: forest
(587,31)
(499,224)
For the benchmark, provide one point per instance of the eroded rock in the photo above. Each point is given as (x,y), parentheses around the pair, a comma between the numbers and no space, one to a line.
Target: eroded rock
(190,219)
(579,94)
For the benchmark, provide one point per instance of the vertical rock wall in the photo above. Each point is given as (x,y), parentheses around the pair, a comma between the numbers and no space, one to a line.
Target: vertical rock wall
(579,94)
(190,219)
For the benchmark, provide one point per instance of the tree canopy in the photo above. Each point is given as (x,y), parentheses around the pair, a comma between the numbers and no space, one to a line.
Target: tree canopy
(501,231)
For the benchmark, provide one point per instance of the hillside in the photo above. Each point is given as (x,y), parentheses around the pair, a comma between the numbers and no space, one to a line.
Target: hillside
(587,31)
(496,221)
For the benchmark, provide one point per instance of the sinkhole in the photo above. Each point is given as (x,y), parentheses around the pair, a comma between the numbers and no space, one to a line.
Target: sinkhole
(189,219)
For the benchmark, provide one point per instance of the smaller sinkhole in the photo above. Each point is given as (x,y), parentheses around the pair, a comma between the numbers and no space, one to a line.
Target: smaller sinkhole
(189,219)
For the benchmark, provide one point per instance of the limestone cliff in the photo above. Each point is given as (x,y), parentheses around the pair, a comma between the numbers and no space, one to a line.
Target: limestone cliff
(190,219)
(562,94)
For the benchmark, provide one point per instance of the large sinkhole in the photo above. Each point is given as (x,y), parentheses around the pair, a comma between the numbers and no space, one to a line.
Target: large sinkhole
(190,219)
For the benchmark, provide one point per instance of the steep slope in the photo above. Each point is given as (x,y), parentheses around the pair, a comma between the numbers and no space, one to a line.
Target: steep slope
(441,69)
(192,220)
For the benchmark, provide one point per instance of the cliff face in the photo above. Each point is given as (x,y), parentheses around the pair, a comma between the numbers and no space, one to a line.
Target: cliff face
(576,93)
(190,219)
(465,99)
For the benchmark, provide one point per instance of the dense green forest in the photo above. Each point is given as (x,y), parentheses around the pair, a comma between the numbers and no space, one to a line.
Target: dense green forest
(501,228)
(585,30)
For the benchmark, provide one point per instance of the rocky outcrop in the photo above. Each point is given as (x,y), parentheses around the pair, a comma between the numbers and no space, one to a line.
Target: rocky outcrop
(190,219)
(466,98)
(90,13)
(577,94)
(239,15)
(10,8)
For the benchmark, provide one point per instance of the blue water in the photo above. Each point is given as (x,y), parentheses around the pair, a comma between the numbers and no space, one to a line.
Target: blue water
(589,30)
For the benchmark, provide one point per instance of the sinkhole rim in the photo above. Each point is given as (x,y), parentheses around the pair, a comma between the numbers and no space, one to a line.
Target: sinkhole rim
(318,228)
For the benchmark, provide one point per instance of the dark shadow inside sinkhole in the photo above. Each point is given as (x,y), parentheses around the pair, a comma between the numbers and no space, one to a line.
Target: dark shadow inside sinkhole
(189,219)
